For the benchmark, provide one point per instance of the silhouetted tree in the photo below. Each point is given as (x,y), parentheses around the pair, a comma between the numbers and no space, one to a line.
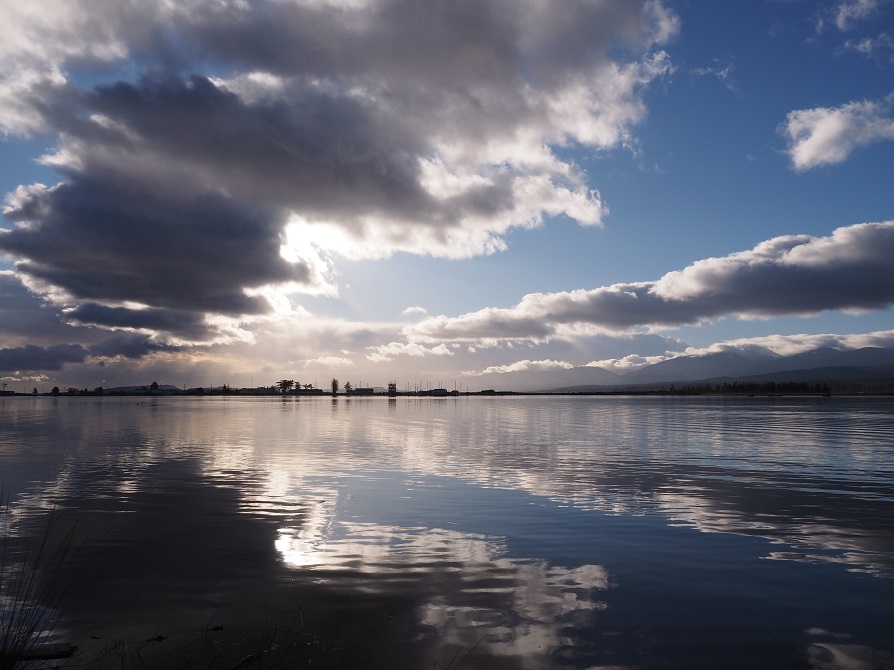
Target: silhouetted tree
(348,387)
(334,386)
(55,390)
(285,385)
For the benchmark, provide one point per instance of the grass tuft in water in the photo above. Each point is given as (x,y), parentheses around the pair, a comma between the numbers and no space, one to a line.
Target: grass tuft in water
(31,586)
(457,661)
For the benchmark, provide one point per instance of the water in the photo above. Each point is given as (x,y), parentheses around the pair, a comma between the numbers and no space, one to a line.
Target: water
(535,532)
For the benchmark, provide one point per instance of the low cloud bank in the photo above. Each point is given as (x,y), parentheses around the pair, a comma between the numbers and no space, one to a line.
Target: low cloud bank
(791,275)
(17,360)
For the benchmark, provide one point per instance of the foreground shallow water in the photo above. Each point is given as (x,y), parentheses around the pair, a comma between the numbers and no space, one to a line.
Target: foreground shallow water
(535,532)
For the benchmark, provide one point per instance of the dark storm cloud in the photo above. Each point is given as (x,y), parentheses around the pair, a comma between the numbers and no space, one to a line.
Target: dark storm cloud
(29,358)
(317,150)
(793,275)
(184,324)
(24,317)
(31,325)
(128,345)
(33,359)
(99,242)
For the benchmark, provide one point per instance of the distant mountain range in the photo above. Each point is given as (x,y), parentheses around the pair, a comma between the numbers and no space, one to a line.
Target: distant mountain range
(825,364)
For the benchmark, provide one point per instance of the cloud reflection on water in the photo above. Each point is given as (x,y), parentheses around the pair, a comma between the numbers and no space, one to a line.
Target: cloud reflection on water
(834,653)
(289,469)
(471,590)
(805,475)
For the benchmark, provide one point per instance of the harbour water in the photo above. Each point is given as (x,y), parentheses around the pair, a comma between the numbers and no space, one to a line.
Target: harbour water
(488,532)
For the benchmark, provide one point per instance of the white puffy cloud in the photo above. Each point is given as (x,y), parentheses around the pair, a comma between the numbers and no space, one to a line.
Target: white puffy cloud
(387,352)
(528,365)
(329,362)
(629,362)
(828,135)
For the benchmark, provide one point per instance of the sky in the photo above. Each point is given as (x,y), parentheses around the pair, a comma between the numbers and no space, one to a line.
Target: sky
(229,192)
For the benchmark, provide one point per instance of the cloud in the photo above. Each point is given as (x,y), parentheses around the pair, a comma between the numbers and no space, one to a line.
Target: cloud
(528,365)
(880,46)
(829,135)
(758,348)
(184,324)
(34,326)
(329,361)
(101,243)
(229,150)
(849,14)
(721,73)
(129,345)
(386,352)
(27,319)
(791,275)
(629,362)
(788,345)
(18,360)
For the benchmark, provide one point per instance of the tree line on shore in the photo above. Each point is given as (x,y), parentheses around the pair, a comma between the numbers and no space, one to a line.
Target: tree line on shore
(282,387)
(286,387)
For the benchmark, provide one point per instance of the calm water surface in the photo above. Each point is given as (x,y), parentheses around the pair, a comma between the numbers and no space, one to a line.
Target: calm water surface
(551,532)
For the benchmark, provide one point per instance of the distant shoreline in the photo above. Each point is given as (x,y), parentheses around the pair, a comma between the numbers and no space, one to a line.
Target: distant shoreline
(464,394)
